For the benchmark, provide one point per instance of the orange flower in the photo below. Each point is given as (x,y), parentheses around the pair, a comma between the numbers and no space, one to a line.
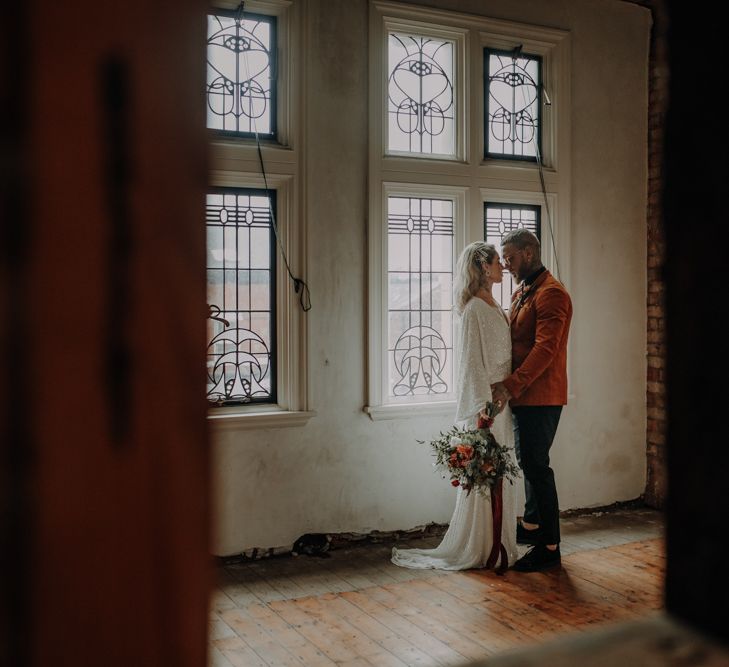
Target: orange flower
(465,452)
(487,467)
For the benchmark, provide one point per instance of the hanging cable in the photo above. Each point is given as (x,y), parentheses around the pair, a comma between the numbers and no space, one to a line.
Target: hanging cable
(546,208)
(300,286)
(540,166)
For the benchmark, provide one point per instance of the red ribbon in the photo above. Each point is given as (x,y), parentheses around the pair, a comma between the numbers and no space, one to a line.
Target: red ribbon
(497,510)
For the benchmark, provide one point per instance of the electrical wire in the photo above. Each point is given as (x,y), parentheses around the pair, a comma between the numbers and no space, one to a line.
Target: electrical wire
(540,165)
(300,286)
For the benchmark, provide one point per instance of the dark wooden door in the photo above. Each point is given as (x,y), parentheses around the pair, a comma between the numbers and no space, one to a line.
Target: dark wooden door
(103,478)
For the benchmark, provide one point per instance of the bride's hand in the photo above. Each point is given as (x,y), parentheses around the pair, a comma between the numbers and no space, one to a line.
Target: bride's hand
(501,395)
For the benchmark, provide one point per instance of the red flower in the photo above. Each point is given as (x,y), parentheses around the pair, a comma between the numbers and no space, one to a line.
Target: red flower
(455,482)
(485,422)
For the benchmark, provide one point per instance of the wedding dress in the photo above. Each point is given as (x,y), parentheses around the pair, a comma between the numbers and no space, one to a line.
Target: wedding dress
(484,343)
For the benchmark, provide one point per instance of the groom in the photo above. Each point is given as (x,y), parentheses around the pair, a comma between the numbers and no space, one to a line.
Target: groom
(540,314)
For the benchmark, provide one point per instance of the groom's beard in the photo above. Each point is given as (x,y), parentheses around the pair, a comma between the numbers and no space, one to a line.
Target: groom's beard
(524,272)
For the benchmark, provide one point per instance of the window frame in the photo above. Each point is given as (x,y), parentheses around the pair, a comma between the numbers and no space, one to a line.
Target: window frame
(290,335)
(553,47)
(487,51)
(378,312)
(458,37)
(475,178)
(234,162)
(549,239)
(272,19)
(273,291)
(287,77)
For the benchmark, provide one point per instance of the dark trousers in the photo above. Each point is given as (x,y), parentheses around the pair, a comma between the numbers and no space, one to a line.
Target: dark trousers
(534,429)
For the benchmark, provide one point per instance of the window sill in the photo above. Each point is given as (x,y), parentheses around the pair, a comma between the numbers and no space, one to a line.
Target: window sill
(232,141)
(260,418)
(404,410)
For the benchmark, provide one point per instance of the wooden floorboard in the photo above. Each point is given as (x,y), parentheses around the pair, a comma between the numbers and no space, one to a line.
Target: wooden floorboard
(358,609)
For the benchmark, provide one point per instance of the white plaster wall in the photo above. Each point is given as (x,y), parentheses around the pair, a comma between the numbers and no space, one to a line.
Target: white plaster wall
(343,472)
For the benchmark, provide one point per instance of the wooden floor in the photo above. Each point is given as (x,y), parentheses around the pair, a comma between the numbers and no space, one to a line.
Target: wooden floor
(356,608)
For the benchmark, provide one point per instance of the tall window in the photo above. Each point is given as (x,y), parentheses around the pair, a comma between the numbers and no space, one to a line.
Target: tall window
(457,120)
(241,91)
(420,88)
(512,90)
(241,263)
(420,286)
(499,220)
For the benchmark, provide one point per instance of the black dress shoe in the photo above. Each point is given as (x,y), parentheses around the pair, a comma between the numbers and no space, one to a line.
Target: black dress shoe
(538,558)
(525,536)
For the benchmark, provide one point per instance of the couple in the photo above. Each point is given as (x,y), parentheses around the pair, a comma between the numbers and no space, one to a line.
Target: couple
(520,364)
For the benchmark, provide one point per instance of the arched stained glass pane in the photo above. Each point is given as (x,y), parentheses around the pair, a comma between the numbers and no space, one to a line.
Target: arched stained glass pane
(420,88)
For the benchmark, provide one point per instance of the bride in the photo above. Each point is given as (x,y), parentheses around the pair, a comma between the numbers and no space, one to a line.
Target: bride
(484,346)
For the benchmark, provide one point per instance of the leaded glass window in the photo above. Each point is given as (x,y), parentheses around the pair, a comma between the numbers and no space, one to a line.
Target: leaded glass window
(421,106)
(241,91)
(420,296)
(512,93)
(241,263)
(499,220)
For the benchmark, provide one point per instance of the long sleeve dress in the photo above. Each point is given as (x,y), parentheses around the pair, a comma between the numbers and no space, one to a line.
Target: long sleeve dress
(484,345)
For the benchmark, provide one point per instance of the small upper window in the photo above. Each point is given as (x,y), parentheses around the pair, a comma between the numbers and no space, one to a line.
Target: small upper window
(421,103)
(241,90)
(512,91)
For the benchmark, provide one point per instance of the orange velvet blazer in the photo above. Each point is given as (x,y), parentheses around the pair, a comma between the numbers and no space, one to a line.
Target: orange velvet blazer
(540,317)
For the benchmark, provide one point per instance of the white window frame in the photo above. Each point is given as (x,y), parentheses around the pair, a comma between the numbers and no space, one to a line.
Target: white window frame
(234,163)
(383,405)
(475,178)
(458,36)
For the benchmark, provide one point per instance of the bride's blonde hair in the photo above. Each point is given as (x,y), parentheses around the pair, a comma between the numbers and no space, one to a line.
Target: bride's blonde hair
(469,275)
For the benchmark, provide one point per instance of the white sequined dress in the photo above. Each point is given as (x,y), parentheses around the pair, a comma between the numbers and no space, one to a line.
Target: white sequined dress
(484,345)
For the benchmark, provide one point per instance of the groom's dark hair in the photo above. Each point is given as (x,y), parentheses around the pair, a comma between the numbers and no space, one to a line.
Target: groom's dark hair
(522,238)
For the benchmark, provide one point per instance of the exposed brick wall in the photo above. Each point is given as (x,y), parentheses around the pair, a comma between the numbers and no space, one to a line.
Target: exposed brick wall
(655,492)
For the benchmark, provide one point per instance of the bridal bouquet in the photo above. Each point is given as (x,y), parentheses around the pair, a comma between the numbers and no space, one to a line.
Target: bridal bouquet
(473,458)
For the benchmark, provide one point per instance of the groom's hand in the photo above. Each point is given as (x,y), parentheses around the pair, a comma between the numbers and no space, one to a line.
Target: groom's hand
(500,395)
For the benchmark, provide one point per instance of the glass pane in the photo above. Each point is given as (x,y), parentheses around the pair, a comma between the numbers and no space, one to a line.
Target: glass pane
(421,107)
(260,242)
(240,55)
(420,286)
(512,104)
(499,220)
(244,290)
(241,297)
(260,290)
